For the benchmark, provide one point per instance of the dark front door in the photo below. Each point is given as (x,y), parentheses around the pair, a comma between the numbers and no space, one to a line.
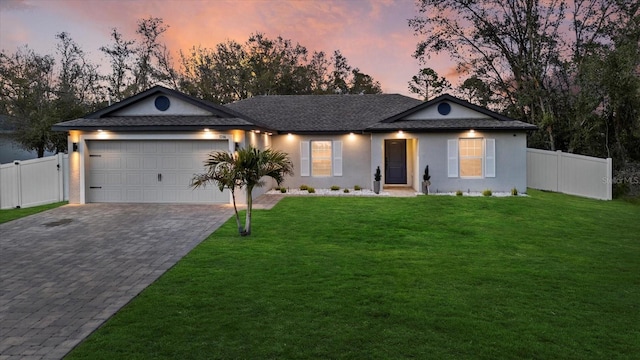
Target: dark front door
(395,156)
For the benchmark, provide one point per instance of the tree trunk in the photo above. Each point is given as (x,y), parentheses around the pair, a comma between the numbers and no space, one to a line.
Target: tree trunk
(247,221)
(235,209)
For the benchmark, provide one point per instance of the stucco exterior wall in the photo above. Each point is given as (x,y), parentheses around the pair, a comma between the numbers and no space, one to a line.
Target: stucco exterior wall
(457,112)
(74,169)
(511,162)
(356,161)
(146,107)
(431,149)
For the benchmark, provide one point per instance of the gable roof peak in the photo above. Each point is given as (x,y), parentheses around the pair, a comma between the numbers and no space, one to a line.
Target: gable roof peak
(450,98)
(216,110)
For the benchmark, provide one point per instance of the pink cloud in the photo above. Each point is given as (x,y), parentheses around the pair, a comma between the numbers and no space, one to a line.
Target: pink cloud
(373,35)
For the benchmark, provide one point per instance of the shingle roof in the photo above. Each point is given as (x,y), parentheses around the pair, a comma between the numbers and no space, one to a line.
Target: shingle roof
(323,113)
(168,122)
(491,121)
(221,117)
(295,113)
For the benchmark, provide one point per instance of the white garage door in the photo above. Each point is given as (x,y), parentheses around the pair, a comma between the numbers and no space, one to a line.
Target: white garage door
(141,171)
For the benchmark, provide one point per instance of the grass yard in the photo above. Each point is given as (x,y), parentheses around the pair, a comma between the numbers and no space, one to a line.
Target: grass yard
(12,214)
(548,276)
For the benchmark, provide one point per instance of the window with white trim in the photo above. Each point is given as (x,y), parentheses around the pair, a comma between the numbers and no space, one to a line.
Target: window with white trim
(471,158)
(321,158)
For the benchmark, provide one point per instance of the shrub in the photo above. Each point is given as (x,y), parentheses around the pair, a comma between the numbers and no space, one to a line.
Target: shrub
(514,192)
(335,188)
(459,193)
(357,187)
(487,192)
(303,187)
(426,176)
(311,190)
(377,176)
(283,190)
(346,191)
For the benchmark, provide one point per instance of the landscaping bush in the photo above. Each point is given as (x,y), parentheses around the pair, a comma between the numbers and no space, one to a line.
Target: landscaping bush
(459,193)
(514,192)
(311,190)
(346,191)
(487,192)
(335,188)
(283,190)
(357,188)
(304,187)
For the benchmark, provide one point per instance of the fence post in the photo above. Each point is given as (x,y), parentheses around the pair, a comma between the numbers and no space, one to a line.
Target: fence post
(18,184)
(60,176)
(609,182)
(560,179)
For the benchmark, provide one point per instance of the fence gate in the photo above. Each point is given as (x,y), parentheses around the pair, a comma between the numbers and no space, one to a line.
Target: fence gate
(33,182)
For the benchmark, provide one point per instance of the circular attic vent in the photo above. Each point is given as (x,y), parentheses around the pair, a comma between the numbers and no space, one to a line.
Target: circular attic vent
(162,103)
(444,108)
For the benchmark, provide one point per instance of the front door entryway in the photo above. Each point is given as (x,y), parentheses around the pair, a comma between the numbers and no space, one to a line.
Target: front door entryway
(395,155)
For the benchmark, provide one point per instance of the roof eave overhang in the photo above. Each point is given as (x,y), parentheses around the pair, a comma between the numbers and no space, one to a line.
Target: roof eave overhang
(172,128)
(321,132)
(441,130)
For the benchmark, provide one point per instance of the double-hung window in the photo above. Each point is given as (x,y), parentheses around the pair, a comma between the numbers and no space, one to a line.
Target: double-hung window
(471,158)
(321,158)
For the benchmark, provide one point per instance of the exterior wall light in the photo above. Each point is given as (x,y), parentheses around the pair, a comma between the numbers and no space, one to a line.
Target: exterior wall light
(75,147)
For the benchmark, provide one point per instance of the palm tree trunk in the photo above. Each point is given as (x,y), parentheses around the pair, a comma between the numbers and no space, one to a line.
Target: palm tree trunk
(235,209)
(247,221)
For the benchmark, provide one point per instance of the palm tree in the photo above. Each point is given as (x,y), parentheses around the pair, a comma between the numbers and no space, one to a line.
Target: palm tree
(246,168)
(222,170)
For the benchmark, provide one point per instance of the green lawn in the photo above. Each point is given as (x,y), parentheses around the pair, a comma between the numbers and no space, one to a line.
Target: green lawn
(545,276)
(12,214)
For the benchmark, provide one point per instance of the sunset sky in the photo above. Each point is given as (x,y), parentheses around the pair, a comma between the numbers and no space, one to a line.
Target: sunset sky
(372,34)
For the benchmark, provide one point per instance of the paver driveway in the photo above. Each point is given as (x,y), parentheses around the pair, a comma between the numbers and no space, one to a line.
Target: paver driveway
(65,271)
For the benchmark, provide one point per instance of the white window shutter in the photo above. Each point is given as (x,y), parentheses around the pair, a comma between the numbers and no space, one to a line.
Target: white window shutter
(490,158)
(304,158)
(337,158)
(452,157)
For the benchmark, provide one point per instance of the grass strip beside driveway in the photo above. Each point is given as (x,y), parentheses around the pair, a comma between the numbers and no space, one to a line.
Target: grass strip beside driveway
(12,214)
(547,276)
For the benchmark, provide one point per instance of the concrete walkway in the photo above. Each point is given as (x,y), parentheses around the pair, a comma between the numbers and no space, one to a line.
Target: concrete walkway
(65,271)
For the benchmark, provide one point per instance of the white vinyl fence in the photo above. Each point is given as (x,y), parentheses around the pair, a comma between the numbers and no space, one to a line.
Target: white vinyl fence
(569,173)
(34,182)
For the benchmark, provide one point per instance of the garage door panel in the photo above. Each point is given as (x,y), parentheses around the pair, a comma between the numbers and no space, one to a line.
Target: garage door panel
(170,179)
(169,162)
(134,195)
(131,163)
(150,163)
(149,179)
(168,148)
(114,179)
(149,147)
(133,179)
(127,171)
(132,147)
(150,195)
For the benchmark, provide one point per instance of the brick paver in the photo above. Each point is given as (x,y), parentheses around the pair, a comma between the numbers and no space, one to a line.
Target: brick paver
(65,271)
